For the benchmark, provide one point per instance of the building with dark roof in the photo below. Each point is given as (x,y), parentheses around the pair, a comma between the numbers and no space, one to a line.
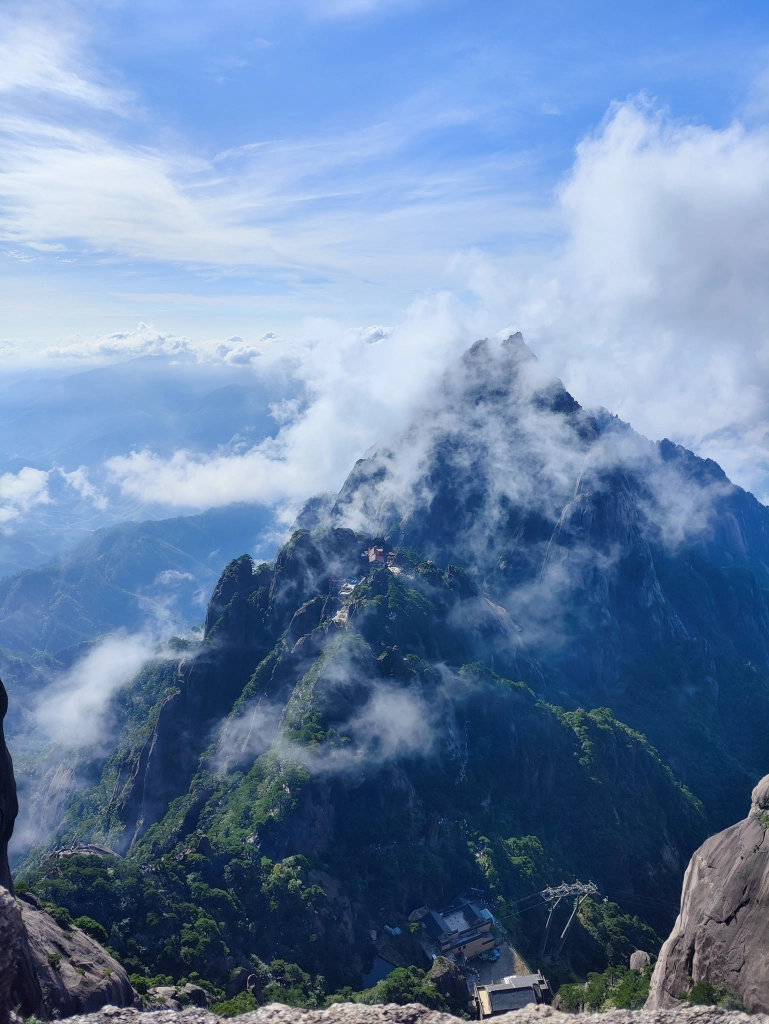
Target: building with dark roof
(512,993)
(463,928)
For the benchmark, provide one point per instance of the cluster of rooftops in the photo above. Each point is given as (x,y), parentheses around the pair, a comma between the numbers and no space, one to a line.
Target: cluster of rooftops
(466,930)
(378,556)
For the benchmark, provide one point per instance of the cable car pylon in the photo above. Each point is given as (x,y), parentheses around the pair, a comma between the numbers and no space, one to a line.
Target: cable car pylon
(554,895)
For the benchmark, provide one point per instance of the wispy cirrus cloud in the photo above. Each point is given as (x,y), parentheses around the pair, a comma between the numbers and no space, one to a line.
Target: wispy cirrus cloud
(40,56)
(353,8)
(310,206)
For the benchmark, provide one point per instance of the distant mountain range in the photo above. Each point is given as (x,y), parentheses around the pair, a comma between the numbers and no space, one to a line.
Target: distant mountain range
(522,644)
(152,576)
(66,420)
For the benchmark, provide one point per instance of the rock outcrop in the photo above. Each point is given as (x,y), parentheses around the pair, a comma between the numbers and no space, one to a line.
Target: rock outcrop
(62,971)
(9,806)
(451,982)
(47,970)
(722,932)
(10,934)
(639,960)
(413,1013)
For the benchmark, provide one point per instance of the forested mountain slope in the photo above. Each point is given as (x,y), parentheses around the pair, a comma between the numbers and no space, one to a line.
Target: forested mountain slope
(636,572)
(320,767)
(415,698)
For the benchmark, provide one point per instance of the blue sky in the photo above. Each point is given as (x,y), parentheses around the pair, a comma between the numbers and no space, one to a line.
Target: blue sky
(231,168)
(316,189)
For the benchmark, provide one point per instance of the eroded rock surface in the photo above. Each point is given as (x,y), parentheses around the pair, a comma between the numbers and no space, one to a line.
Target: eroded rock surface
(64,971)
(10,933)
(355,1013)
(722,932)
(46,970)
(9,806)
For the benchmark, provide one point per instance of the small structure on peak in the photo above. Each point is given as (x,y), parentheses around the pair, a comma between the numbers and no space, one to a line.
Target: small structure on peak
(376,555)
(343,586)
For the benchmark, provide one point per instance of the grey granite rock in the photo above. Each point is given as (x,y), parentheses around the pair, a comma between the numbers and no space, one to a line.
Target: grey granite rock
(639,960)
(355,1013)
(722,932)
(64,972)
(10,934)
(9,806)
(196,995)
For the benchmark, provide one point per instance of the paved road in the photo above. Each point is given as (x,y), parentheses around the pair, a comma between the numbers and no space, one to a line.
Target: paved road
(510,962)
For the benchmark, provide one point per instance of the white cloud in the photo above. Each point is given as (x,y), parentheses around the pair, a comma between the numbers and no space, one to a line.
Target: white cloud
(394,723)
(661,297)
(656,305)
(298,207)
(21,491)
(73,710)
(359,388)
(78,481)
(171,577)
(391,723)
(37,56)
(146,340)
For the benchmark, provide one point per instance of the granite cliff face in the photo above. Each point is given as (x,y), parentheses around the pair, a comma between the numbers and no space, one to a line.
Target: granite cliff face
(9,805)
(722,933)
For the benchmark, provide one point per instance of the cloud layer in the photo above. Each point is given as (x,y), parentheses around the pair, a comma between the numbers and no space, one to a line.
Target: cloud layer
(71,711)
(641,282)
(358,387)
(657,306)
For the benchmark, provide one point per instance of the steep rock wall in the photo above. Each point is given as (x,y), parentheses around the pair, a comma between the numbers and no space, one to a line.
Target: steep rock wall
(9,805)
(722,932)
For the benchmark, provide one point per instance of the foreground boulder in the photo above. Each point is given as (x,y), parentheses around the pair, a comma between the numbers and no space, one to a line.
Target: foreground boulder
(722,932)
(9,806)
(46,969)
(10,934)
(63,971)
(413,1013)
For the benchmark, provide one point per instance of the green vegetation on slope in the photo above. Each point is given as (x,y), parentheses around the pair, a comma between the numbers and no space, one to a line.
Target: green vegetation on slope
(393,768)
